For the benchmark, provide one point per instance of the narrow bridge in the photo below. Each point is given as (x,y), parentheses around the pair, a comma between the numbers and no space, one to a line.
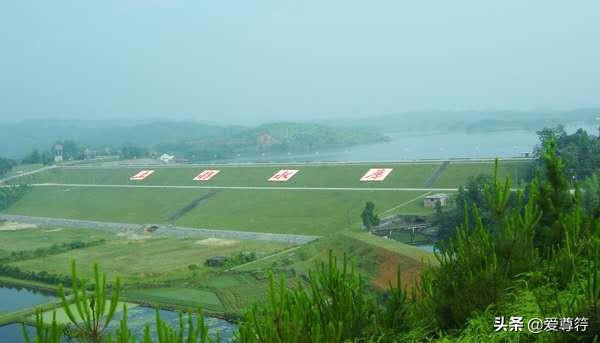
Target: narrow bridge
(411,228)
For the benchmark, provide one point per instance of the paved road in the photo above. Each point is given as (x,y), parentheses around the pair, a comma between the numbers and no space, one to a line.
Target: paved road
(175,231)
(122,164)
(245,187)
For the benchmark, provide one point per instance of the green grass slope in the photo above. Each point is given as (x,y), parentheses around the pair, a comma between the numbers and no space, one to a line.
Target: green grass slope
(144,260)
(457,173)
(280,211)
(403,175)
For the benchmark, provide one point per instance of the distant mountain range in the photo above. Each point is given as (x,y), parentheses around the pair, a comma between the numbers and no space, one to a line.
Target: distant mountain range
(199,140)
(473,121)
(18,139)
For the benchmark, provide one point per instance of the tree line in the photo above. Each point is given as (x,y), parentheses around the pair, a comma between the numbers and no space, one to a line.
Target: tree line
(42,276)
(54,249)
(9,194)
(580,167)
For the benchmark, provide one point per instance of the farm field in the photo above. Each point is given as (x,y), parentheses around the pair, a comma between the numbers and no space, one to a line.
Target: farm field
(35,238)
(137,260)
(185,297)
(165,271)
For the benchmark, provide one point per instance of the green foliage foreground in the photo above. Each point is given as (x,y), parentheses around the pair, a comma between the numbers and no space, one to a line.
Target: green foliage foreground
(536,255)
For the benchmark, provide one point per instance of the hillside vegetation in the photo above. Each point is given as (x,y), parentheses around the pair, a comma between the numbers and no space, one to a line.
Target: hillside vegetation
(194,141)
(279,138)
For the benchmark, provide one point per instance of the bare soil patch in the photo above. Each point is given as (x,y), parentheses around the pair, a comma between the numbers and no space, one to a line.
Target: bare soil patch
(12,226)
(53,230)
(387,270)
(212,242)
(134,236)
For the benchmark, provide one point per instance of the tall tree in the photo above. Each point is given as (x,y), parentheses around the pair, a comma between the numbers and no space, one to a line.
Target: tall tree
(368,216)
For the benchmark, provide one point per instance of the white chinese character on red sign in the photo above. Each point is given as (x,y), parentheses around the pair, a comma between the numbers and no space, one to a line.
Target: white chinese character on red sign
(376,174)
(141,175)
(283,175)
(206,175)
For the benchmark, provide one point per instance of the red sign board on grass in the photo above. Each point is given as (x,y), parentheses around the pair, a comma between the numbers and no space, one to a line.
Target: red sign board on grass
(206,175)
(376,174)
(141,175)
(283,175)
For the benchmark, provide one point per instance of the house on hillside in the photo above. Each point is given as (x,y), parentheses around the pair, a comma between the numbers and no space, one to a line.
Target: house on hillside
(265,140)
(89,153)
(431,201)
(58,152)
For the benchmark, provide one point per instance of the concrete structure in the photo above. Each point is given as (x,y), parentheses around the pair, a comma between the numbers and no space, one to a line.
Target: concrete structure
(431,201)
(215,261)
(166,158)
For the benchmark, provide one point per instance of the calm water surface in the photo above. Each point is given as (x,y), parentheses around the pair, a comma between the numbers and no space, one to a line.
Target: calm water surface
(12,299)
(13,333)
(138,317)
(411,146)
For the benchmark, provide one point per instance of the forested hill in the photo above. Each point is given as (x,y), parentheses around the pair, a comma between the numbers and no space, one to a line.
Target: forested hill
(187,138)
(283,137)
(475,121)
(19,139)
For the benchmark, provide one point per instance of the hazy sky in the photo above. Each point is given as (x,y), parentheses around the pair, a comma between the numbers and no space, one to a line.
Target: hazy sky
(279,59)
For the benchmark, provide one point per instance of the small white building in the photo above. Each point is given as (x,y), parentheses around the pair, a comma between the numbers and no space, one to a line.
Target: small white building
(431,201)
(166,158)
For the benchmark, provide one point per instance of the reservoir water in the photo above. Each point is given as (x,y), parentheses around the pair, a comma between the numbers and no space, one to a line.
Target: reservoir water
(138,317)
(13,333)
(415,145)
(13,298)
